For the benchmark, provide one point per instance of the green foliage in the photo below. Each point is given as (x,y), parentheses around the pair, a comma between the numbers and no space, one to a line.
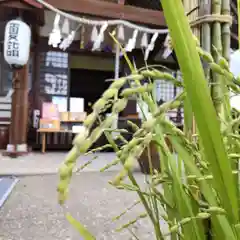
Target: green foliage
(80,228)
(202,184)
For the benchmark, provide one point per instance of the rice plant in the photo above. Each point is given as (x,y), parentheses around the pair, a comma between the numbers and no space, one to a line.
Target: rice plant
(203,200)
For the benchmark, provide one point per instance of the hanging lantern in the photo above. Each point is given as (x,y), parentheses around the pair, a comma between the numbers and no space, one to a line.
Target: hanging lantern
(17,40)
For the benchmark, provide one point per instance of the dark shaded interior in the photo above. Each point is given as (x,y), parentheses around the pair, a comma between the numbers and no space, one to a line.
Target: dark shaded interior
(148,4)
(89,84)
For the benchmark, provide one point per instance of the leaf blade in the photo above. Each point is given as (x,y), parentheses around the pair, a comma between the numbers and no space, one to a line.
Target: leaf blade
(80,228)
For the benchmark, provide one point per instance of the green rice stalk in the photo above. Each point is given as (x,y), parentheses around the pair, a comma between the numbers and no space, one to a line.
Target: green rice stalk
(221,222)
(226,39)
(80,228)
(172,195)
(127,210)
(182,201)
(149,126)
(130,223)
(202,106)
(141,196)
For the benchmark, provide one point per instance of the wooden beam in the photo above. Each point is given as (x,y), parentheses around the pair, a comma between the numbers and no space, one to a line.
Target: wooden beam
(33,12)
(25,4)
(15,4)
(111,10)
(33,3)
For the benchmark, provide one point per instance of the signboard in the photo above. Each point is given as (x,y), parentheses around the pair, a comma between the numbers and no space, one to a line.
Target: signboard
(54,73)
(56,84)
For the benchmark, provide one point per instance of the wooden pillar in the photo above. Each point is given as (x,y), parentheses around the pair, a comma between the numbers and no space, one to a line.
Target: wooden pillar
(23,109)
(14,113)
(19,119)
(131,108)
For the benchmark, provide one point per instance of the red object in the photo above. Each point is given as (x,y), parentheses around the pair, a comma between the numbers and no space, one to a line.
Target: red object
(33,3)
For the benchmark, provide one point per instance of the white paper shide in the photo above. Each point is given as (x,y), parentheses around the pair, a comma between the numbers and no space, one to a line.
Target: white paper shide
(17,40)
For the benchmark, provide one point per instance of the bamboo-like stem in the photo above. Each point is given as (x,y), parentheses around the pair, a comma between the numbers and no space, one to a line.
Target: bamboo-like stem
(238,8)
(205,9)
(217,44)
(226,46)
(226,33)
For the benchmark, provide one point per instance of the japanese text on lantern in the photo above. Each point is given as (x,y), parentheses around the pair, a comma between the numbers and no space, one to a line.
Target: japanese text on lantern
(13,44)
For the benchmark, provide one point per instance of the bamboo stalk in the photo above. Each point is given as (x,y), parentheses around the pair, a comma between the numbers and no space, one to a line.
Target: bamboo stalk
(238,9)
(205,9)
(226,46)
(205,41)
(217,44)
(226,33)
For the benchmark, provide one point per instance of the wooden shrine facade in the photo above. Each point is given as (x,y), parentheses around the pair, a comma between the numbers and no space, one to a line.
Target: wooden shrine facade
(17,111)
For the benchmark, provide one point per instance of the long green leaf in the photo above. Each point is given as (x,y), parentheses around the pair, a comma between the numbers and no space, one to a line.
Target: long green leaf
(220,222)
(202,106)
(80,228)
(182,201)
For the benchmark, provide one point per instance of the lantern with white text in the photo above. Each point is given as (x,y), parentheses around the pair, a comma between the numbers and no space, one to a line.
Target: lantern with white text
(17,40)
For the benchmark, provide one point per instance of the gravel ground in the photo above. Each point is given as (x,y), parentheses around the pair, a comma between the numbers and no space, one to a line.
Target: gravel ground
(32,212)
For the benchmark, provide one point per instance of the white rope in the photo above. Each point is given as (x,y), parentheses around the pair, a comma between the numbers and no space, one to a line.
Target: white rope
(102,22)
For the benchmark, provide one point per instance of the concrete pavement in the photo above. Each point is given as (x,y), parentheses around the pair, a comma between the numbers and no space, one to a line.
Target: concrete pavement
(32,211)
(48,163)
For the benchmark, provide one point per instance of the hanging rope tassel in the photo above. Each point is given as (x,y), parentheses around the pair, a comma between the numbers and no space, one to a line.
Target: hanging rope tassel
(82,35)
(65,27)
(167,47)
(120,33)
(100,37)
(132,42)
(150,47)
(64,43)
(67,41)
(144,41)
(94,34)
(55,36)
